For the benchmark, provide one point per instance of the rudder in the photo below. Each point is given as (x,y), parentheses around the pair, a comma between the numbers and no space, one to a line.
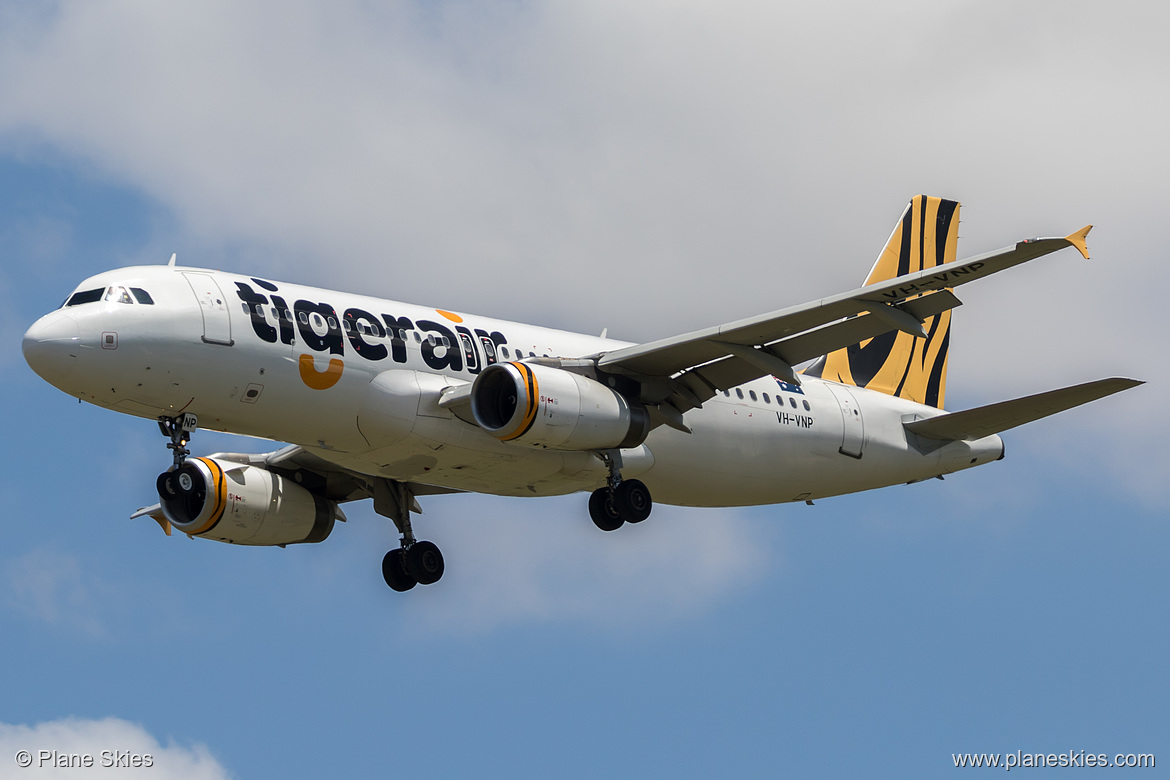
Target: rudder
(897,363)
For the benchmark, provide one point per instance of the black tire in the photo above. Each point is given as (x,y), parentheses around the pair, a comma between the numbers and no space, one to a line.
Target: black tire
(603,511)
(632,500)
(395,573)
(425,562)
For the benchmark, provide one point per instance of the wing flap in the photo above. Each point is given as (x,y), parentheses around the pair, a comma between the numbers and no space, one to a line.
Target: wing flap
(995,418)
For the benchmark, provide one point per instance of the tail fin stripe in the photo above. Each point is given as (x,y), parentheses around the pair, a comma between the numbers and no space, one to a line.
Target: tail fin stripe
(946,211)
(934,386)
(866,361)
(923,208)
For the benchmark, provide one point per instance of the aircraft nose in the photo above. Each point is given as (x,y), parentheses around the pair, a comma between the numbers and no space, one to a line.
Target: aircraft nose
(51,346)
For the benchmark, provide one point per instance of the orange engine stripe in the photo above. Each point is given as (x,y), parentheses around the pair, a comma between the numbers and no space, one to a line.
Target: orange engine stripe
(530,410)
(217,476)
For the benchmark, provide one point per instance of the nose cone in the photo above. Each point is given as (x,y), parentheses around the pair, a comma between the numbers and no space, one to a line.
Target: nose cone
(51,347)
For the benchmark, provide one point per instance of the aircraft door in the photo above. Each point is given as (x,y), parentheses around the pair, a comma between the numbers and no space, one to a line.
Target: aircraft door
(853,435)
(217,327)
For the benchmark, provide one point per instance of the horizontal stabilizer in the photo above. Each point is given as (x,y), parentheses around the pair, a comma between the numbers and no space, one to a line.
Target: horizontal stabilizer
(986,420)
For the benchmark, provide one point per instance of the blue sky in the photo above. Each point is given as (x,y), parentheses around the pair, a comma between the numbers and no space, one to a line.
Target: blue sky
(650,170)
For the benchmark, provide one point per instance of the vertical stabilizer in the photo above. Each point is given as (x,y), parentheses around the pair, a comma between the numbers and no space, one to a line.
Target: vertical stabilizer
(897,363)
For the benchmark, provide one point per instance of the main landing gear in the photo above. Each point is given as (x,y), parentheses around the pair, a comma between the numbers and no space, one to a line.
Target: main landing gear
(414,562)
(621,501)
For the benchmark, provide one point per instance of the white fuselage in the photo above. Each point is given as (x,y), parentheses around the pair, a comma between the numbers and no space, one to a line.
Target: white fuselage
(309,366)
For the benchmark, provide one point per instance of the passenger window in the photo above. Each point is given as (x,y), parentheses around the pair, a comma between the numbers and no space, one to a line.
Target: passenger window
(752,394)
(332,324)
(792,402)
(417,338)
(119,295)
(767,400)
(739,393)
(346,326)
(504,352)
(807,408)
(304,318)
(247,308)
(727,393)
(88,296)
(142,296)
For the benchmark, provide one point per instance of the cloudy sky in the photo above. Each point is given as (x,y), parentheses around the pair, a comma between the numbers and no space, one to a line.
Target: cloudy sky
(649,168)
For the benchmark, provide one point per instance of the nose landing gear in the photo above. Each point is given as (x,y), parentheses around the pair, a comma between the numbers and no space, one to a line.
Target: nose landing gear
(178,430)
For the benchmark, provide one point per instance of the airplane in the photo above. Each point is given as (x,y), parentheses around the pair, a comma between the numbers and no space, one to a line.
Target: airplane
(390,401)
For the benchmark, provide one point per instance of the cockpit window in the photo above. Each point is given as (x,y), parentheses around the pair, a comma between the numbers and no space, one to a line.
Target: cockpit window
(86,296)
(118,294)
(141,295)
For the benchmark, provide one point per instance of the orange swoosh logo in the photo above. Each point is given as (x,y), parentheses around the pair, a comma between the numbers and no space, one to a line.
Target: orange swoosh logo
(319,380)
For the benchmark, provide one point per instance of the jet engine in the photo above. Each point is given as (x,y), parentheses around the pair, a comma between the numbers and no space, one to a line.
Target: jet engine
(240,504)
(549,407)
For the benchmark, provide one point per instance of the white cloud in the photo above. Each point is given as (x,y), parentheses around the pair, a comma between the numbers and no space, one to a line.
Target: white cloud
(106,740)
(735,159)
(51,586)
(79,597)
(656,167)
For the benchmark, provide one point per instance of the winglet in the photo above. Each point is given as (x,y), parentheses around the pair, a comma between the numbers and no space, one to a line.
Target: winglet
(1077,239)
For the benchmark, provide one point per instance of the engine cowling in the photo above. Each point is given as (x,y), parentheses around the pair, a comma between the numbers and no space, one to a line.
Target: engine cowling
(240,504)
(543,406)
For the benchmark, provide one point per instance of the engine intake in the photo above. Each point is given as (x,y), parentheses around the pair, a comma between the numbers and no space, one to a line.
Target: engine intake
(550,407)
(240,504)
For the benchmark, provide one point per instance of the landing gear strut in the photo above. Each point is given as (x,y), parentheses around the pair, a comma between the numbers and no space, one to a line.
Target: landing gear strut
(621,501)
(178,430)
(414,562)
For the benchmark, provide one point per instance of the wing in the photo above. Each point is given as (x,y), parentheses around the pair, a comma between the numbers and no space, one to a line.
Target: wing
(684,371)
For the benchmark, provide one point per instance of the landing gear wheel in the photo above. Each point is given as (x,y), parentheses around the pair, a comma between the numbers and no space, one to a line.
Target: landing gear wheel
(395,573)
(603,510)
(632,500)
(424,562)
